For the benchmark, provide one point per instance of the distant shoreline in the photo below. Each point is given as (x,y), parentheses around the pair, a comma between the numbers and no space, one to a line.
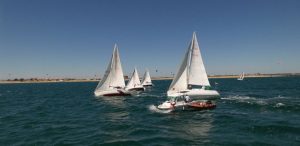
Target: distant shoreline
(153,78)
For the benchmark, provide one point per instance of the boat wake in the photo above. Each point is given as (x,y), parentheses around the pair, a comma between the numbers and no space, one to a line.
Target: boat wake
(274,101)
(279,104)
(153,108)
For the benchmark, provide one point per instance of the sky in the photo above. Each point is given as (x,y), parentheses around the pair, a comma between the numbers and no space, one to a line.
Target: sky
(75,38)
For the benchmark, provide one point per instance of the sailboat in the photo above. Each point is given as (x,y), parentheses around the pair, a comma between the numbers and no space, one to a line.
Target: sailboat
(146,79)
(191,79)
(112,83)
(134,84)
(191,74)
(242,76)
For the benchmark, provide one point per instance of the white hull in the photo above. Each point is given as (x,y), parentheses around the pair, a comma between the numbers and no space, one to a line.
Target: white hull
(196,94)
(112,92)
(168,106)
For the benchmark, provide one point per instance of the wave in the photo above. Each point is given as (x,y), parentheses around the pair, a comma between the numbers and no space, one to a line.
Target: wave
(153,108)
(149,95)
(237,97)
(279,105)
(277,101)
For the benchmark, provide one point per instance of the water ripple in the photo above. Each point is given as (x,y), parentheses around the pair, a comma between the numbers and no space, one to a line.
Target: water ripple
(254,112)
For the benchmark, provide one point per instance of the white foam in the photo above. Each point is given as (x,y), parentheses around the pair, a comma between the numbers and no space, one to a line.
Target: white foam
(261,102)
(153,108)
(151,95)
(247,99)
(239,98)
(279,104)
(277,100)
(281,97)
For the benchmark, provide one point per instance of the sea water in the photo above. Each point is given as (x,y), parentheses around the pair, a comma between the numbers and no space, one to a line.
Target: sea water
(256,111)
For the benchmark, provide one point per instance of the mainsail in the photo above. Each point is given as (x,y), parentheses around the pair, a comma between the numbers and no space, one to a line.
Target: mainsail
(192,70)
(113,76)
(146,79)
(134,80)
(197,73)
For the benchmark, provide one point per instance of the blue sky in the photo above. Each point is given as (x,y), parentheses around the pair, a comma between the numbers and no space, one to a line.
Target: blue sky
(75,38)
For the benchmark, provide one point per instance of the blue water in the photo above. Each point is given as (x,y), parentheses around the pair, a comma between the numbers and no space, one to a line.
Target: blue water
(256,111)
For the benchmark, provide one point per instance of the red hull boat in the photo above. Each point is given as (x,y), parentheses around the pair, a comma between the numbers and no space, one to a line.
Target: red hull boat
(200,105)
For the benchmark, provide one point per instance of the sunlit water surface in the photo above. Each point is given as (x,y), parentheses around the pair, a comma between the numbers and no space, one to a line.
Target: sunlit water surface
(256,111)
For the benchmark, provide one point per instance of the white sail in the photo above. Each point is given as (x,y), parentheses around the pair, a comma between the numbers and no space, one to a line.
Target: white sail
(196,71)
(192,70)
(146,79)
(134,80)
(113,76)
(180,80)
(242,76)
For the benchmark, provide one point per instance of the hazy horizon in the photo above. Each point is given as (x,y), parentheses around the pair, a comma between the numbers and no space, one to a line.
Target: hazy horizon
(75,38)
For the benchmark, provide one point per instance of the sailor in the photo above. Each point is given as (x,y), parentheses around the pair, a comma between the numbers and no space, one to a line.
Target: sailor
(173,104)
(186,98)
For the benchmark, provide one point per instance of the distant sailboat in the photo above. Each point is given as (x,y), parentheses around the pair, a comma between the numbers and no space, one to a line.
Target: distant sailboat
(146,79)
(134,84)
(112,83)
(242,76)
(190,74)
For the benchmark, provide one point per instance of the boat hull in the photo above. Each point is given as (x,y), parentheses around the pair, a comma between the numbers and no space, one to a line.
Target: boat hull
(200,94)
(169,105)
(136,88)
(181,105)
(201,105)
(112,92)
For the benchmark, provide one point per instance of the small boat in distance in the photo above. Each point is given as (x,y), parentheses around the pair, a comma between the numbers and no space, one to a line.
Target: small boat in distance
(134,84)
(146,81)
(112,83)
(242,76)
(191,78)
